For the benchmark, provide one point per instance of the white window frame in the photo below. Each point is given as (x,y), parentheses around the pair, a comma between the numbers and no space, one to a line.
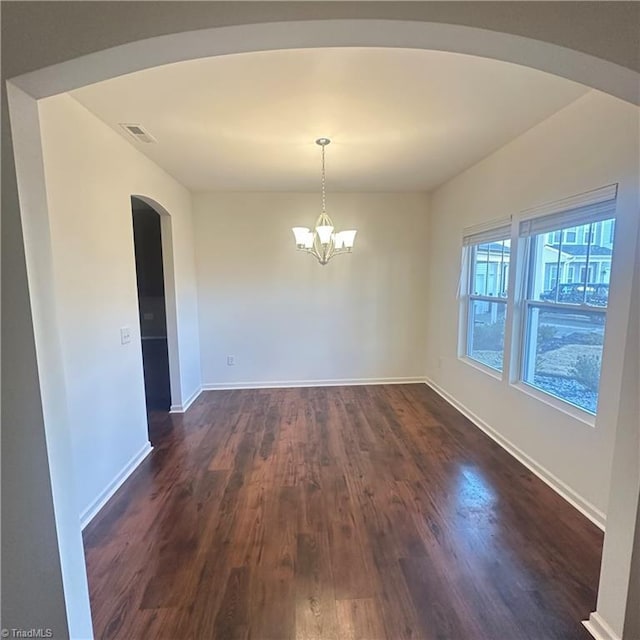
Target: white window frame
(494,231)
(594,206)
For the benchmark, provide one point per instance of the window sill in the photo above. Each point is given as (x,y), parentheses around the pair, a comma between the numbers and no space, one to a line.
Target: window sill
(560,405)
(494,373)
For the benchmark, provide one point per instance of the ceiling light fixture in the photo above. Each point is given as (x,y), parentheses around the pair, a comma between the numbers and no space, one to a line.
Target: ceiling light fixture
(323,242)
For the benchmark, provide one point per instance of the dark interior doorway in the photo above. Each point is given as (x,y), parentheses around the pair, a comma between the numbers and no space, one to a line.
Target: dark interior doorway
(151,304)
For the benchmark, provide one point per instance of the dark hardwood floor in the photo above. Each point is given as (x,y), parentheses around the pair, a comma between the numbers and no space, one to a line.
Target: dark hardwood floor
(337,513)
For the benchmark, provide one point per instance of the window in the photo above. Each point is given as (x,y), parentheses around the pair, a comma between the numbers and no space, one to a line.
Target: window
(488,254)
(586,274)
(561,272)
(551,275)
(563,324)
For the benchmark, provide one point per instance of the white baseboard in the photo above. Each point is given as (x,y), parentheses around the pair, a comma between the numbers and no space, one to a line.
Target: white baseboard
(584,506)
(181,408)
(288,384)
(91,511)
(599,629)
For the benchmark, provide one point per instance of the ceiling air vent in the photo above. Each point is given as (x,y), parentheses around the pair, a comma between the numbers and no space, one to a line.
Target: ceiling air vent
(138,132)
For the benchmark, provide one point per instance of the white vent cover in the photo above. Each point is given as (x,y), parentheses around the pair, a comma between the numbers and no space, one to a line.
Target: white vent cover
(138,132)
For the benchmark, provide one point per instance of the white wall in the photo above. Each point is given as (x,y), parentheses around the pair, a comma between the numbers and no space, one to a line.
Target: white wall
(288,319)
(619,592)
(90,173)
(37,561)
(590,143)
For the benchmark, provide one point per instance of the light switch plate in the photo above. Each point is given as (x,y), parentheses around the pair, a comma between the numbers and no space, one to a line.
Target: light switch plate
(125,335)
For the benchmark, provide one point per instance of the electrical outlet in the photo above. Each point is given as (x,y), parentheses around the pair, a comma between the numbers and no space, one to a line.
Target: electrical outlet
(125,335)
(231,360)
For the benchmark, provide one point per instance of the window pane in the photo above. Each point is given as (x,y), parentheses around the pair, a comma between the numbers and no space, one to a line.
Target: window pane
(563,354)
(572,266)
(486,332)
(490,269)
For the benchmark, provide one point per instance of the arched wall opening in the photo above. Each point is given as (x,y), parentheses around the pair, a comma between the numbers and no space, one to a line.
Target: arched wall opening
(170,305)
(25,91)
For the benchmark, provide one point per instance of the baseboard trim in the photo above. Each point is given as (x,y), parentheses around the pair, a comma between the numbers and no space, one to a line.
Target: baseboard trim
(584,506)
(289,384)
(181,408)
(92,510)
(598,628)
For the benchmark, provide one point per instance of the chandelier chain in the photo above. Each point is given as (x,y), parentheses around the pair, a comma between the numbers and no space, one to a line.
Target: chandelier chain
(324,199)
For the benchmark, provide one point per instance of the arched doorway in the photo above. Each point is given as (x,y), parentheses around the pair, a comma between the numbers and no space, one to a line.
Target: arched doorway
(147,241)
(153,233)
(26,90)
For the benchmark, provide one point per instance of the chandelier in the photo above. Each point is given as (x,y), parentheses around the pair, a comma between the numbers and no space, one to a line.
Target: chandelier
(323,242)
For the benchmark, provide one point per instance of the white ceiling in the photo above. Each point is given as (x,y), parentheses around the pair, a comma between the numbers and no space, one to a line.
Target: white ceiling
(399,119)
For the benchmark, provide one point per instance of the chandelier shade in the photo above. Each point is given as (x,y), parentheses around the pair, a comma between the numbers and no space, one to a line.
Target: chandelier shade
(323,242)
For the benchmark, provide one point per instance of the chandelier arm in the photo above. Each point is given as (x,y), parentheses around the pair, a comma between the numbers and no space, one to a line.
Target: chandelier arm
(324,259)
(321,250)
(313,252)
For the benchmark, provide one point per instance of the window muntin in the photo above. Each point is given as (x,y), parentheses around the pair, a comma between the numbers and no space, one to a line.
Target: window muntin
(564,321)
(487,300)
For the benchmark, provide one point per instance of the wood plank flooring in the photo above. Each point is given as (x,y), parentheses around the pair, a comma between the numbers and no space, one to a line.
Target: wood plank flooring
(343,513)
